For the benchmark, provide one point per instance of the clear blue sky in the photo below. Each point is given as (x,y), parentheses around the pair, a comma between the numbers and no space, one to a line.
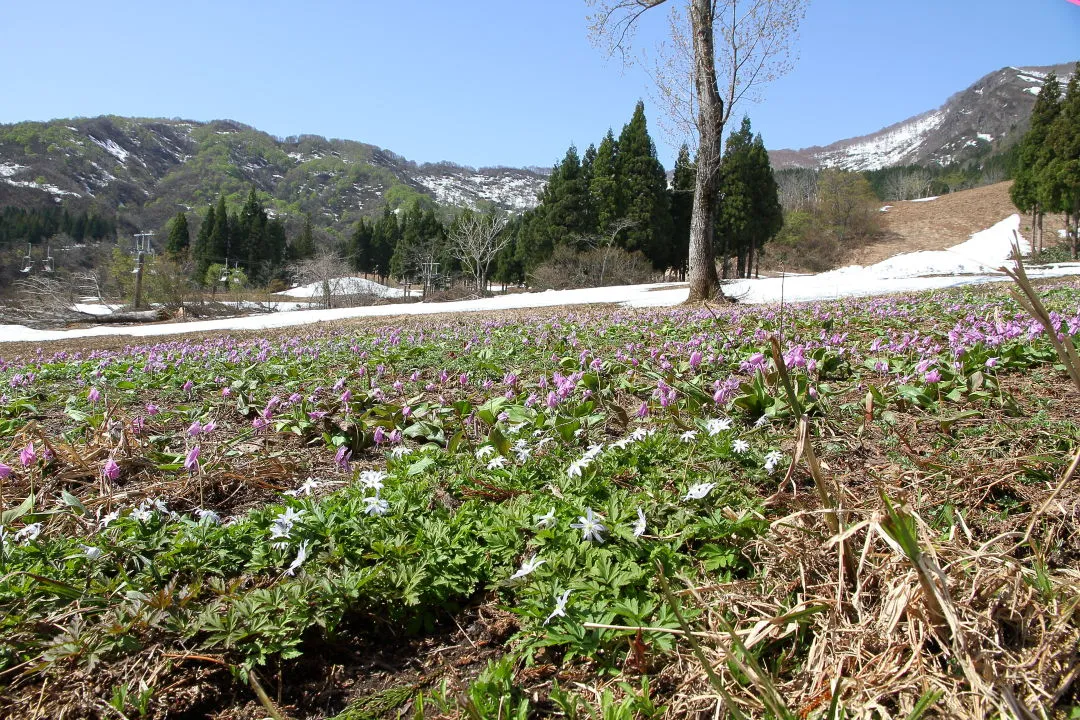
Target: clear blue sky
(486,82)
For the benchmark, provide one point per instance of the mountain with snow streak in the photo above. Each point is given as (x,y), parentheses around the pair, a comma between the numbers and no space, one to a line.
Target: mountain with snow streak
(149,169)
(989,116)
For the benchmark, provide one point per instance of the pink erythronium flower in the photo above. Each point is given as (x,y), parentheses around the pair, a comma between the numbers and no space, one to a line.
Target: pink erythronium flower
(5,471)
(209,427)
(932,377)
(93,396)
(152,409)
(188,386)
(191,462)
(194,429)
(342,458)
(111,470)
(27,456)
(379,436)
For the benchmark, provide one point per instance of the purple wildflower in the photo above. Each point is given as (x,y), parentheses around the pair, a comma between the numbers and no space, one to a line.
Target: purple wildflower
(191,463)
(111,470)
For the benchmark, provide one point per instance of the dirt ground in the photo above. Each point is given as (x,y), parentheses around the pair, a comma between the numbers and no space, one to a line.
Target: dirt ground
(911,226)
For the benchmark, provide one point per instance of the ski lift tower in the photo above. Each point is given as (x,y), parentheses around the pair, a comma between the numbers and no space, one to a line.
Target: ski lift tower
(28,263)
(142,247)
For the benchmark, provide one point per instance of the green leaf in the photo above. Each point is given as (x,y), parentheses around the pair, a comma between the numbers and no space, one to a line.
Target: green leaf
(15,513)
(73,502)
(420,466)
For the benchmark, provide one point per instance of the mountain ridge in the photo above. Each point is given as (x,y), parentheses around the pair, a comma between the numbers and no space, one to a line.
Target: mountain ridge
(151,168)
(989,115)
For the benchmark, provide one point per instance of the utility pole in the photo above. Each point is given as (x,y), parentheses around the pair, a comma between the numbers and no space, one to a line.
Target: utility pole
(142,246)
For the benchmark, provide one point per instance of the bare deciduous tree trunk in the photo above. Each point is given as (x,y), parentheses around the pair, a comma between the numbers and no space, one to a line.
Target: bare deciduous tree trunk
(704,283)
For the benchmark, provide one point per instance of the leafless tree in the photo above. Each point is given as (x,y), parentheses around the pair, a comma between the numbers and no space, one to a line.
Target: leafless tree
(606,242)
(908,184)
(797,189)
(726,50)
(475,239)
(324,268)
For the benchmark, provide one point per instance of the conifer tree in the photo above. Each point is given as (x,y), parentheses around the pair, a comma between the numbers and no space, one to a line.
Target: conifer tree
(304,247)
(202,252)
(749,211)
(604,190)
(682,202)
(644,191)
(220,234)
(563,215)
(1060,178)
(1029,189)
(176,246)
(360,247)
(384,239)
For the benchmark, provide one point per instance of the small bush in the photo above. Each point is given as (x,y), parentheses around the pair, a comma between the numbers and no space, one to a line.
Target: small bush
(598,267)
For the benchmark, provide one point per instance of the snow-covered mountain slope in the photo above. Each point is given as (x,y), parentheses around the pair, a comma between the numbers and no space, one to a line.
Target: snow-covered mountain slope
(990,114)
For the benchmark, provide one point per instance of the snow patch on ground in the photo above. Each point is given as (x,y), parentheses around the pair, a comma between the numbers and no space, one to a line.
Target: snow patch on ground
(886,208)
(51,189)
(112,148)
(926,199)
(984,136)
(345,286)
(9,169)
(95,308)
(971,262)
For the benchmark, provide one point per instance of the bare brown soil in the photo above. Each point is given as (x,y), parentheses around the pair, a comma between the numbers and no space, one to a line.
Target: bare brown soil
(910,226)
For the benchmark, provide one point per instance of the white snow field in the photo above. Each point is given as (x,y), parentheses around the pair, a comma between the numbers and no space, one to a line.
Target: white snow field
(345,286)
(970,262)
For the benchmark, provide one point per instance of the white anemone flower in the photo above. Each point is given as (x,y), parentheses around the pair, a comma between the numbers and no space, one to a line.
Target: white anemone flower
(772,459)
(376,506)
(718,425)
(546,520)
(91,553)
(372,479)
(560,607)
(740,446)
(496,462)
(28,533)
(639,524)
(301,556)
(689,436)
(698,491)
(591,528)
(484,451)
(527,567)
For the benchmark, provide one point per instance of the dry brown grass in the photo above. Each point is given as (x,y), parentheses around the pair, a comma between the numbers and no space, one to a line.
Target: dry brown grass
(939,224)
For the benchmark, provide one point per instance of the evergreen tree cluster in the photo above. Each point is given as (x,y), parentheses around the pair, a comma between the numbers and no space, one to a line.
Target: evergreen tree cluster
(621,181)
(1048,162)
(401,244)
(38,225)
(618,192)
(749,212)
(248,239)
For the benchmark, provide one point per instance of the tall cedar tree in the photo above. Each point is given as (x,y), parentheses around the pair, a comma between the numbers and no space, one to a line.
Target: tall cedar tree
(220,235)
(749,212)
(682,201)
(360,256)
(605,194)
(1029,189)
(645,196)
(202,252)
(384,239)
(304,247)
(1062,172)
(176,246)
